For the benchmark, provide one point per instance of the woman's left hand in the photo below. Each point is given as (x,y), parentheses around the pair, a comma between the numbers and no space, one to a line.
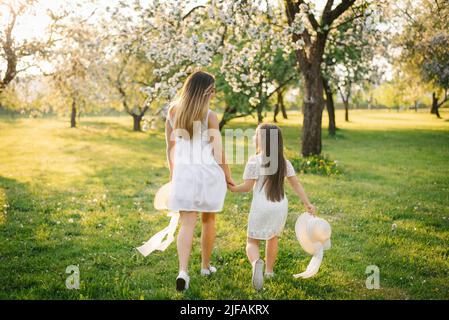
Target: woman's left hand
(230,182)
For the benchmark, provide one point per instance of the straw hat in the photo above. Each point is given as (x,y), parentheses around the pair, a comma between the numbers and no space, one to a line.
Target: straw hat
(314,236)
(313,233)
(161,198)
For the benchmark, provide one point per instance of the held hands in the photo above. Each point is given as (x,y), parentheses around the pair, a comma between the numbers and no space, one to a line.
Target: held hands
(230,182)
(232,188)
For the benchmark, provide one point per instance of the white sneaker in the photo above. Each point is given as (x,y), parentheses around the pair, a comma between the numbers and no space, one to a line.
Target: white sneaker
(258,274)
(182,281)
(269,275)
(208,271)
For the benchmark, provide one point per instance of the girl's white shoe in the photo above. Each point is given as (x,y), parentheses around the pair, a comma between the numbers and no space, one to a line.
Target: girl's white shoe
(269,275)
(208,271)
(257,279)
(182,281)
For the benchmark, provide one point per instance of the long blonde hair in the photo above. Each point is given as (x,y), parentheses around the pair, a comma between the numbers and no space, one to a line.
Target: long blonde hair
(193,100)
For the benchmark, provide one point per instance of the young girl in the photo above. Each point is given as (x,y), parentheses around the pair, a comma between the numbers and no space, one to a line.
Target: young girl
(198,172)
(265,173)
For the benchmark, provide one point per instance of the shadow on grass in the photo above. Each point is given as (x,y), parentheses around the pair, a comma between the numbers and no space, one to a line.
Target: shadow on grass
(18,196)
(32,250)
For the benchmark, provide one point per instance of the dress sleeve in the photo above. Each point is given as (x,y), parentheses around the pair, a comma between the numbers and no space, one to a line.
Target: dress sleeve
(252,170)
(290,170)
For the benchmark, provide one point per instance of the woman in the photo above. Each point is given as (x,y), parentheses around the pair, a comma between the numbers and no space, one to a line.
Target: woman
(198,172)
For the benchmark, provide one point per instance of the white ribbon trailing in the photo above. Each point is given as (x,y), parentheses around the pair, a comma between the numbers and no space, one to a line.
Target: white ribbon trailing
(313,267)
(157,241)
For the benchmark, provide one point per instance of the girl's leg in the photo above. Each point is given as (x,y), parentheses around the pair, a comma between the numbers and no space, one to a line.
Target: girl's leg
(271,251)
(207,238)
(185,238)
(252,250)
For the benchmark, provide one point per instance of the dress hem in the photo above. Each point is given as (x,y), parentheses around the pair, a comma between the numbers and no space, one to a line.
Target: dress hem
(264,238)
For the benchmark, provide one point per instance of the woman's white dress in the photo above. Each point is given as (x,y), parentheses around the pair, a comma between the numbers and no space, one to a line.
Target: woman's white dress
(266,218)
(198,182)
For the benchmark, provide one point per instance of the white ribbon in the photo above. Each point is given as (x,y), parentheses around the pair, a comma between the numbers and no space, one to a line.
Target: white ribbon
(157,241)
(313,267)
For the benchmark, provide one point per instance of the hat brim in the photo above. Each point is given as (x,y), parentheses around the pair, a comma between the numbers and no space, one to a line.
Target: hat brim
(162,196)
(302,236)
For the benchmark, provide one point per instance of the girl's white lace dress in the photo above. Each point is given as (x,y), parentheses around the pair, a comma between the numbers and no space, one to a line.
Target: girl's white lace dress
(198,182)
(266,218)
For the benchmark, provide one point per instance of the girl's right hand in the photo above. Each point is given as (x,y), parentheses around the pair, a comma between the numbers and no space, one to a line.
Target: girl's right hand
(311,209)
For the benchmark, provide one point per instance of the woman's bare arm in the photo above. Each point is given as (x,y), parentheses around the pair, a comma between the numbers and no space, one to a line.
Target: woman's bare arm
(299,190)
(217,145)
(170,144)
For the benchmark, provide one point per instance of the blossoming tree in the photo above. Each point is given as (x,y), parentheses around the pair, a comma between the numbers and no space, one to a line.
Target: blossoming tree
(313,32)
(424,42)
(257,63)
(349,55)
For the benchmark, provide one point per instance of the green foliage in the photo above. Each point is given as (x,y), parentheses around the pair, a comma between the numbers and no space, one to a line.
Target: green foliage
(320,165)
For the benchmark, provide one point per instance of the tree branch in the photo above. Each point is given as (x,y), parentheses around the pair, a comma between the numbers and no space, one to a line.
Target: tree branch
(338,11)
(292,8)
(446,98)
(191,11)
(283,84)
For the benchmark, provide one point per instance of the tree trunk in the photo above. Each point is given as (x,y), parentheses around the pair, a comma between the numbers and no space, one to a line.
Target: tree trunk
(435,105)
(280,98)
(222,123)
(280,105)
(309,60)
(330,107)
(259,114)
(226,116)
(276,111)
(137,120)
(416,105)
(283,110)
(346,103)
(313,104)
(73,115)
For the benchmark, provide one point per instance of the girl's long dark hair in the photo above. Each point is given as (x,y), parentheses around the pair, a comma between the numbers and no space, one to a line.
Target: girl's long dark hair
(274,183)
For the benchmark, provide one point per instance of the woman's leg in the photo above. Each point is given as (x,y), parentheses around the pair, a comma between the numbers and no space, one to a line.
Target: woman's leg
(207,238)
(185,238)
(271,251)
(252,250)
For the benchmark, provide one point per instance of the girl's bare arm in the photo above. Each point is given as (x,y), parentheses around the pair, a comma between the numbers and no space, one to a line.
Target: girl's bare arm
(299,190)
(246,186)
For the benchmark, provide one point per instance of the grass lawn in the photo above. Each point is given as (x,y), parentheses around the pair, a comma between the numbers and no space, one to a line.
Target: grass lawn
(84,197)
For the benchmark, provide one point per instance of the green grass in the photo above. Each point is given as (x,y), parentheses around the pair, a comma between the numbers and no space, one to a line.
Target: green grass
(84,197)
